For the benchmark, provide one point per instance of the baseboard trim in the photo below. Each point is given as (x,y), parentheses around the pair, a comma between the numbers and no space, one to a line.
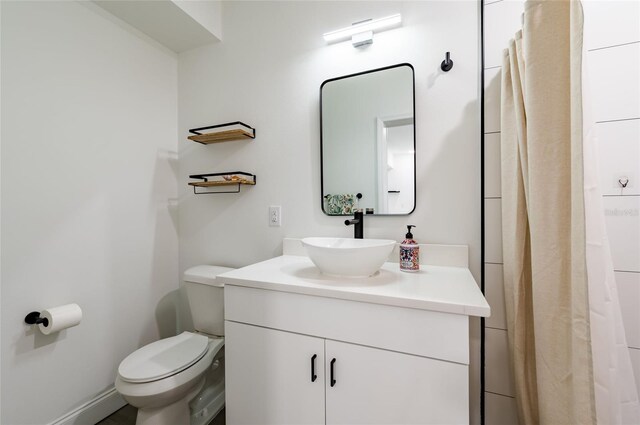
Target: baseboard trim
(94,410)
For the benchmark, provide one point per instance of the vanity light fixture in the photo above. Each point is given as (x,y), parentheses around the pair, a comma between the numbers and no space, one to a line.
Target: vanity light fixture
(361,33)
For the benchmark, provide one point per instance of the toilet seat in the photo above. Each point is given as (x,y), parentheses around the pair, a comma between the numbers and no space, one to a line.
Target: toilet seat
(163,358)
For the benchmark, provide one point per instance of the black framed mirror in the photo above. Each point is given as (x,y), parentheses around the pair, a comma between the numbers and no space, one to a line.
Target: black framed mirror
(367,142)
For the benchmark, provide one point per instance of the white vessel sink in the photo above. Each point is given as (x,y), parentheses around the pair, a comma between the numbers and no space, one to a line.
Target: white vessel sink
(344,257)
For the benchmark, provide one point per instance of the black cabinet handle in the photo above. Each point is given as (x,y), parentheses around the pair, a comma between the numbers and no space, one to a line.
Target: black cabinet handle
(313,368)
(333,381)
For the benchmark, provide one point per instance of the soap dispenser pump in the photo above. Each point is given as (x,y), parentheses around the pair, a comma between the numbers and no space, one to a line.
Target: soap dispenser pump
(409,253)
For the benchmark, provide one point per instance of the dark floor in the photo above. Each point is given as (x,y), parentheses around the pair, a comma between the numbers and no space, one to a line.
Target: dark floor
(127,416)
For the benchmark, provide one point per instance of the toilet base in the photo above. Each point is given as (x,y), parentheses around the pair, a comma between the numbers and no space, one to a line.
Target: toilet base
(208,407)
(210,401)
(177,413)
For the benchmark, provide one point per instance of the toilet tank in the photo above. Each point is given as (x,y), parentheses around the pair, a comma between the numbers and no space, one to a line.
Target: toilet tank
(206,298)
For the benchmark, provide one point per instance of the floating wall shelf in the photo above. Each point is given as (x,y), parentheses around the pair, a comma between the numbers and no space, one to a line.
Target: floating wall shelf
(232,178)
(223,133)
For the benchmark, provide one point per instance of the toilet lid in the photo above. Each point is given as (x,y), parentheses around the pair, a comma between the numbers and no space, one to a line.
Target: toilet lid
(163,358)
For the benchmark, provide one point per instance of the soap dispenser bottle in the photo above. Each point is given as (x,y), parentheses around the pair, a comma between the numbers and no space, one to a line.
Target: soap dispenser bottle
(409,253)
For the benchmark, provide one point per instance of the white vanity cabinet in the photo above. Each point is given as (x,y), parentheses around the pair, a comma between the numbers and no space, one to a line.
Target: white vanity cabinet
(378,355)
(374,386)
(271,373)
(270,381)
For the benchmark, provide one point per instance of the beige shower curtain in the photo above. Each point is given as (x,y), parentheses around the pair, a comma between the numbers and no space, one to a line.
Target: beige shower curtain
(546,288)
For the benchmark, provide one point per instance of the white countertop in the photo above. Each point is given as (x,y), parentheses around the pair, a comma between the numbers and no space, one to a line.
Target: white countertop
(435,288)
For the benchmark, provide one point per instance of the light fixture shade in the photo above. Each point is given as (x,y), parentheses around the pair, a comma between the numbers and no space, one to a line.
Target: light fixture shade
(372,25)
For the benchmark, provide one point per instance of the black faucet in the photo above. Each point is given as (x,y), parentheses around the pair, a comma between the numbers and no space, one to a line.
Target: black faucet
(358,224)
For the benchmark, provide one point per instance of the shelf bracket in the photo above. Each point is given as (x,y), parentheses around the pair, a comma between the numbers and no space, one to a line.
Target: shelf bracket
(195,191)
(251,130)
(206,184)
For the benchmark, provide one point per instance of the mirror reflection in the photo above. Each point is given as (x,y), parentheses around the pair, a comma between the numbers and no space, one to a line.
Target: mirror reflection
(368,142)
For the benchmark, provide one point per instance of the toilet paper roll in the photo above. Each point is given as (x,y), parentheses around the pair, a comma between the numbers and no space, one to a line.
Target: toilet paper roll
(60,318)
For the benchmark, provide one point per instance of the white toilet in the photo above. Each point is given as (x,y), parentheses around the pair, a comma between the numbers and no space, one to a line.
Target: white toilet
(180,380)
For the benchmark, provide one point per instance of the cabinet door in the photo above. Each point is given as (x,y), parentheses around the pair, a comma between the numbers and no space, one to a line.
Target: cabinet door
(374,386)
(268,376)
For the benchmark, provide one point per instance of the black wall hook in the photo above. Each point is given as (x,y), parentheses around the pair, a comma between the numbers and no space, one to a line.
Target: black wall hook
(34,318)
(447,63)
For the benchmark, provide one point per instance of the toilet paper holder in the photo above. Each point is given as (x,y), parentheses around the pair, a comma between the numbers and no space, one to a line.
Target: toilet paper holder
(34,318)
(55,319)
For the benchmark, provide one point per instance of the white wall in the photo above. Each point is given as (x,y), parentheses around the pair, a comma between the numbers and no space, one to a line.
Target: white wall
(268,72)
(89,113)
(612,39)
(612,32)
